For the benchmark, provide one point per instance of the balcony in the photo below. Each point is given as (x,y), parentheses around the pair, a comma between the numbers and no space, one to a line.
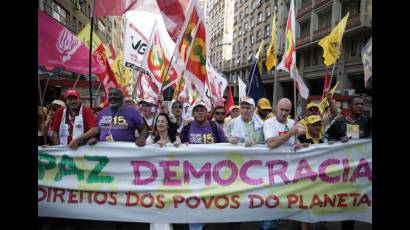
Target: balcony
(307,7)
(303,40)
(318,3)
(318,34)
(353,21)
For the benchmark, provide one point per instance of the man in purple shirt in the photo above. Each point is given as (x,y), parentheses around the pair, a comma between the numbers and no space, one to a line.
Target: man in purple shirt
(119,122)
(202,131)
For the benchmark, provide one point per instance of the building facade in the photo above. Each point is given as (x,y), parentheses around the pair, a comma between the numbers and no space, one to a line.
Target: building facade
(220,15)
(314,20)
(75,15)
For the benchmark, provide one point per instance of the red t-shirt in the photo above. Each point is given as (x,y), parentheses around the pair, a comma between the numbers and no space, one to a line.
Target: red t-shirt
(89,121)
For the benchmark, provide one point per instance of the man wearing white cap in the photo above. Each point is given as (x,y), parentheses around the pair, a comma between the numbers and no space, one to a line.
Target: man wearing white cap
(54,106)
(200,130)
(246,128)
(148,110)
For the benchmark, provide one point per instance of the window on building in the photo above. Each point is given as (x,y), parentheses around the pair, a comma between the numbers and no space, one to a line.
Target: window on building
(259,35)
(351,6)
(57,12)
(304,29)
(89,10)
(252,21)
(268,11)
(267,31)
(260,17)
(305,3)
(324,20)
(75,24)
(246,11)
(252,39)
(246,27)
(307,58)
(244,43)
(253,4)
(316,56)
(353,48)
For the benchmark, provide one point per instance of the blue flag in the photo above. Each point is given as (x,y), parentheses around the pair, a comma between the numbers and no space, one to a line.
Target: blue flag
(254,89)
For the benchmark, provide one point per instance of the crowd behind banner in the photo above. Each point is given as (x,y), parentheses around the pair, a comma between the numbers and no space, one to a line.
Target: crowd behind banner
(163,124)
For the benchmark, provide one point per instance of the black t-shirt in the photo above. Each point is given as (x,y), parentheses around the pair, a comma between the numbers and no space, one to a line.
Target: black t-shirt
(338,129)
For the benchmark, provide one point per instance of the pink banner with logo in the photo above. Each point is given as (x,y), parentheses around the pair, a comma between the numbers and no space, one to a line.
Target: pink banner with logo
(58,47)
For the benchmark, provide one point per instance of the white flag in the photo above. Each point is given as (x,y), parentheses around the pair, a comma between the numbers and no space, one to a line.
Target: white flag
(135,44)
(242,88)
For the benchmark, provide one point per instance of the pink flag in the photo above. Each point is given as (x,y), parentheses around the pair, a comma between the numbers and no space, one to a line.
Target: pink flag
(113,55)
(58,47)
(113,7)
(172,12)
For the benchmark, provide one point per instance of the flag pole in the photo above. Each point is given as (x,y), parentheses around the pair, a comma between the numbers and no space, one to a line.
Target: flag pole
(75,83)
(134,91)
(275,87)
(295,107)
(90,53)
(41,104)
(331,75)
(250,83)
(45,89)
(96,94)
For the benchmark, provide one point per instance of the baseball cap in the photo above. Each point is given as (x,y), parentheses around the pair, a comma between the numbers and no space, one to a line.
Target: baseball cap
(313,119)
(248,100)
(72,92)
(148,100)
(58,102)
(311,105)
(200,103)
(234,107)
(264,103)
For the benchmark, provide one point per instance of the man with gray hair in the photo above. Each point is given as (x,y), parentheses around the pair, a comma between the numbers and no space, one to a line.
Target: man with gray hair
(280,129)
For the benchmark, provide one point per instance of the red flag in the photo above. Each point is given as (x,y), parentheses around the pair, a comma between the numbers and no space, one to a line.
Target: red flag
(172,12)
(106,78)
(113,8)
(229,102)
(113,55)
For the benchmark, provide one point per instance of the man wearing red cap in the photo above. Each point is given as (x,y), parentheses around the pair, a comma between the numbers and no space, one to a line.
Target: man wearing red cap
(72,121)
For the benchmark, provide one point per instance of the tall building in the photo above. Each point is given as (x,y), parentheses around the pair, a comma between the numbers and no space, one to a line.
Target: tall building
(220,29)
(314,20)
(74,15)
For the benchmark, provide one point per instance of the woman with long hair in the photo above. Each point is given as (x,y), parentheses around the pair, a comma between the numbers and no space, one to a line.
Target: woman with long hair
(164,132)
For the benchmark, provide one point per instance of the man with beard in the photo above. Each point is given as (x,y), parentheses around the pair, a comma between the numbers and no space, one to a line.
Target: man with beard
(264,110)
(70,123)
(118,122)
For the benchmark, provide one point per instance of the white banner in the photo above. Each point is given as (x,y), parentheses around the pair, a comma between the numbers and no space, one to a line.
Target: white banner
(135,44)
(206,183)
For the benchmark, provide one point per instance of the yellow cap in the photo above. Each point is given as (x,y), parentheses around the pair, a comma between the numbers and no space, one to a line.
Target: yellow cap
(264,103)
(313,119)
(310,105)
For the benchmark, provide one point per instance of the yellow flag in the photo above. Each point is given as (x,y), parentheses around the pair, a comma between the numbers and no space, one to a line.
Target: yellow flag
(324,103)
(332,43)
(121,73)
(259,56)
(271,54)
(84,36)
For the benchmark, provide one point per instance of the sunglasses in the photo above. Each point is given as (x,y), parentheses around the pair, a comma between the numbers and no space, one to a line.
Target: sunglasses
(220,113)
(177,107)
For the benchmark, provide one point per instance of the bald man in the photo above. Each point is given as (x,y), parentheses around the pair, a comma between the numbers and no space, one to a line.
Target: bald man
(281,130)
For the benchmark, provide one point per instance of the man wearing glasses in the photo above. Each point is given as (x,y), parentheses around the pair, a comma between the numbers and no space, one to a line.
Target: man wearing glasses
(219,115)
